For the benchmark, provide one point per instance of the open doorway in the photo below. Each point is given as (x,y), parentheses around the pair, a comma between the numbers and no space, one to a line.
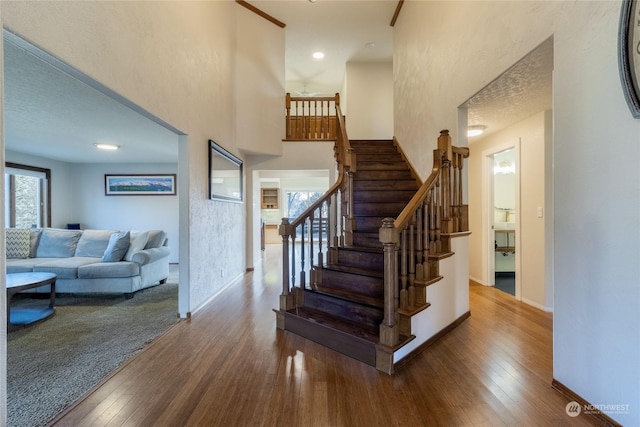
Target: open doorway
(503,221)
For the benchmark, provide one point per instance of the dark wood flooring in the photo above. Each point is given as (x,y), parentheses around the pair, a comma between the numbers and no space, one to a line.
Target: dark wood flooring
(229,366)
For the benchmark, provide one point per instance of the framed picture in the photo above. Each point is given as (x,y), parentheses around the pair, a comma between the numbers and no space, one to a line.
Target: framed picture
(629,54)
(140,185)
(225,174)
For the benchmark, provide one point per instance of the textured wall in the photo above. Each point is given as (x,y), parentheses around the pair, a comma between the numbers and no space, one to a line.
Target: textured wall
(445,52)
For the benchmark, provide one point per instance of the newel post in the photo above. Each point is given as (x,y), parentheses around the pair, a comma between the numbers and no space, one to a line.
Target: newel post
(287,101)
(286,298)
(389,328)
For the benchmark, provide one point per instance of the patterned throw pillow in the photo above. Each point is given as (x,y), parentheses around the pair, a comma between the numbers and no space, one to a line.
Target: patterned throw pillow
(18,242)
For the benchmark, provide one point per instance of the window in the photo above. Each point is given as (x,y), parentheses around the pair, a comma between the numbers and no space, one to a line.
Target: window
(298,201)
(27,192)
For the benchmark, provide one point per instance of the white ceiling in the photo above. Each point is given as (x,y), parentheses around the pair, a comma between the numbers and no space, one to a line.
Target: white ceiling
(52,114)
(342,30)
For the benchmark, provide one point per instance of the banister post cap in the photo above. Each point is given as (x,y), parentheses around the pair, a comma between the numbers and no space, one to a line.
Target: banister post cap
(387,233)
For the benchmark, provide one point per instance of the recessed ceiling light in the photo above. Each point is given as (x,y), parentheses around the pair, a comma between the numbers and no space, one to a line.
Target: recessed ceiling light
(107,146)
(475,130)
(370,45)
(318,55)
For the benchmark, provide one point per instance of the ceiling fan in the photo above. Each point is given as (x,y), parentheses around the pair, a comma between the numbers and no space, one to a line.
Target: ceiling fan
(306,94)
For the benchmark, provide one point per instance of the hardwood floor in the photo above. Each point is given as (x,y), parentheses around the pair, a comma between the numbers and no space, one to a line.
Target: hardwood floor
(229,366)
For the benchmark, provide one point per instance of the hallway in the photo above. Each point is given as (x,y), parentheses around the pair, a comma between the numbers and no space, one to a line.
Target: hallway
(226,368)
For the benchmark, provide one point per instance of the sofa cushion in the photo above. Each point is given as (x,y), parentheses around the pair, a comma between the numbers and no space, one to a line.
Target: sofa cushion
(57,243)
(25,265)
(117,248)
(17,242)
(65,268)
(138,240)
(111,269)
(156,239)
(93,243)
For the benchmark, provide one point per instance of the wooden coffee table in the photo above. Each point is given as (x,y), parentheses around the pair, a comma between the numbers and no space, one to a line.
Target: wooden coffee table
(17,282)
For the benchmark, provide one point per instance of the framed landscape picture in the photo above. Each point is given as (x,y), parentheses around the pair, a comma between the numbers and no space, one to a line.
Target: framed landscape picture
(140,185)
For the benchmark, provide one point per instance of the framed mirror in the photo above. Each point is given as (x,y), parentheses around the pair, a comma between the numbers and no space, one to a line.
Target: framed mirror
(225,174)
(629,54)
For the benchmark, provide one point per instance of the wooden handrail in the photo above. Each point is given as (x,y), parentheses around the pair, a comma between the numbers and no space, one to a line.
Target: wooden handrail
(407,213)
(415,241)
(330,216)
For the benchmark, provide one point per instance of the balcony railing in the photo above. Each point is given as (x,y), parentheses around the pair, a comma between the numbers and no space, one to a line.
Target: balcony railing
(311,118)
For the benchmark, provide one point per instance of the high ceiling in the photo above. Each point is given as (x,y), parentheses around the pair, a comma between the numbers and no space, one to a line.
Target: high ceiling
(52,114)
(351,30)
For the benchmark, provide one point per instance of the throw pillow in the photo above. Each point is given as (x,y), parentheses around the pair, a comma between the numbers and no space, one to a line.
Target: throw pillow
(138,242)
(156,239)
(117,247)
(58,243)
(18,242)
(35,239)
(93,243)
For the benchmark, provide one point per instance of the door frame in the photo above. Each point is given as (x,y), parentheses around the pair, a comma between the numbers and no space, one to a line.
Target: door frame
(488,237)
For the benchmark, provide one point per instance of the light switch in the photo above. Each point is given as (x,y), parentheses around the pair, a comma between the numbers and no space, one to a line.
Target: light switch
(540,211)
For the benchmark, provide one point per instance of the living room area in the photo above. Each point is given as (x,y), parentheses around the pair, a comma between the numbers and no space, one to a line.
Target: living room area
(54,123)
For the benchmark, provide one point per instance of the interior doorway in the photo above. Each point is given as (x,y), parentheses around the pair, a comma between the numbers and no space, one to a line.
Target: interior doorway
(502,204)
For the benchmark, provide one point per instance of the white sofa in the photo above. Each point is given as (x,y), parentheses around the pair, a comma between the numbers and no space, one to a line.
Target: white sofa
(91,261)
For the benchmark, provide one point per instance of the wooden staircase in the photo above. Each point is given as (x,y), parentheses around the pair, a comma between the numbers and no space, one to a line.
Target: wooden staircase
(343,307)
(357,263)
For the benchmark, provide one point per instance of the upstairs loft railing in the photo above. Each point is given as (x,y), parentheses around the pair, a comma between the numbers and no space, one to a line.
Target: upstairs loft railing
(311,118)
(323,227)
(419,237)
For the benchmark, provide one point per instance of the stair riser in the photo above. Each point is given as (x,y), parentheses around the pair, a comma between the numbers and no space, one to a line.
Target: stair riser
(381,166)
(349,345)
(373,146)
(383,175)
(367,240)
(348,310)
(379,157)
(383,196)
(370,260)
(370,224)
(385,185)
(378,209)
(365,285)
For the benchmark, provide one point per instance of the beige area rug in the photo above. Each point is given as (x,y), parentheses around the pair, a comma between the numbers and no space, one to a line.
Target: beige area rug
(53,363)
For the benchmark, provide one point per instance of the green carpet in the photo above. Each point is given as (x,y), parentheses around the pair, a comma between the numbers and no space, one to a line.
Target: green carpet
(53,363)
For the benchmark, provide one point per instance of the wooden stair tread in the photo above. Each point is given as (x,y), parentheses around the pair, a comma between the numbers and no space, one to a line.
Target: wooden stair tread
(356,297)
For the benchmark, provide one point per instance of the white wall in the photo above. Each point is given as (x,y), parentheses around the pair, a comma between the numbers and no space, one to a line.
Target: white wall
(369,88)
(95,210)
(259,94)
(447,51)
(530,135)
